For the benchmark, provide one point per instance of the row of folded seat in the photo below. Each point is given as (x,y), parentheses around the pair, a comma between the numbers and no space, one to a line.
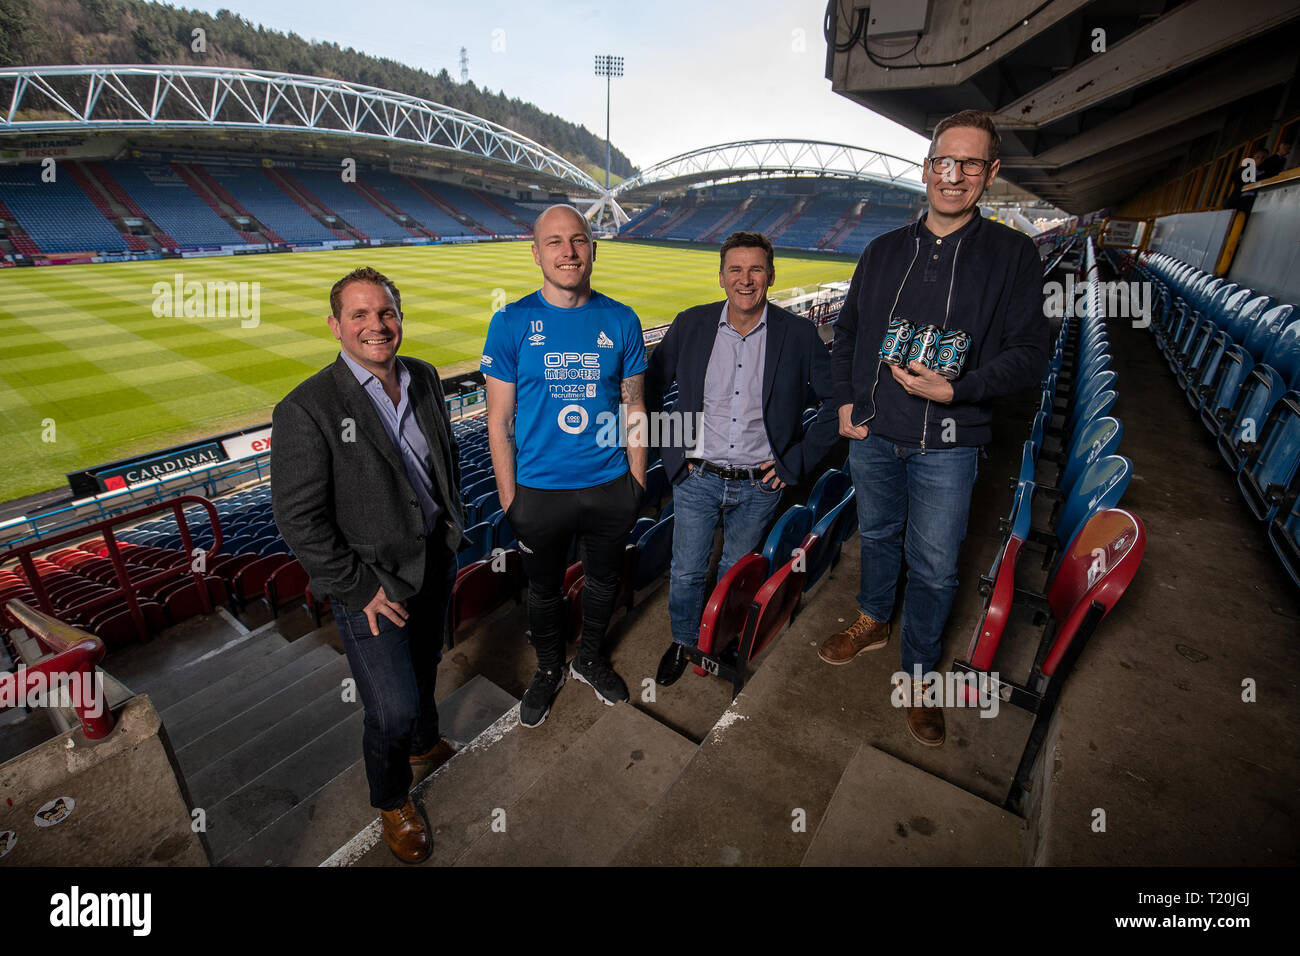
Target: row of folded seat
(1236,356)
(1091,548)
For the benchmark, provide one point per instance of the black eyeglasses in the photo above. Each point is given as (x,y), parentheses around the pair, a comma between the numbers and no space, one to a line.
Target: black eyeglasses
(970,167)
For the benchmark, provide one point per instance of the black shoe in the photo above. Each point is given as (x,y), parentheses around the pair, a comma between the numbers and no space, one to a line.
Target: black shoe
(672,665)
(541,692)
(609,687)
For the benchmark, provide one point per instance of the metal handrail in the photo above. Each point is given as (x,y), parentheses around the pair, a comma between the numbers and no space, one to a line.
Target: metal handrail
(126,588)
(75,652)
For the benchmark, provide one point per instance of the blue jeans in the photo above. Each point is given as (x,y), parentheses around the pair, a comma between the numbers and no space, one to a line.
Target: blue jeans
(914,504)
(746,508)
(395,673)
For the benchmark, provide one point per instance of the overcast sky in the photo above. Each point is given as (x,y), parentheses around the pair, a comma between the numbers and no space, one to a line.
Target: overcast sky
(698,72)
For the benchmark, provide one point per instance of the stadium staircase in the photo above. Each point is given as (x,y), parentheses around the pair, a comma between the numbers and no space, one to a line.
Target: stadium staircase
(787,220)
(390,209)
(313,206)
(488,200)
(684,212)
(441,203)
(219,200)
(725,223)
(115,205)
(846,224)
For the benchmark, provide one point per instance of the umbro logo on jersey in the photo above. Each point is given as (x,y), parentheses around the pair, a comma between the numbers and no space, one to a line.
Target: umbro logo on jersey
(604,342)
(537,339)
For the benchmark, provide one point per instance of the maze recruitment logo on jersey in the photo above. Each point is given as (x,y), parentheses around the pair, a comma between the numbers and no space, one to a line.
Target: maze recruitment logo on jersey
(573,393)
(572,419)
(571,365)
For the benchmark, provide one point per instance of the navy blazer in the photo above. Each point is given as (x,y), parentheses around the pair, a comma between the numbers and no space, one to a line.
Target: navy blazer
(340,493)
(796,375)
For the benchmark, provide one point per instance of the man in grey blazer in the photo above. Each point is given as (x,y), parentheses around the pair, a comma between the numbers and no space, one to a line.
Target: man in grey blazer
(365,488)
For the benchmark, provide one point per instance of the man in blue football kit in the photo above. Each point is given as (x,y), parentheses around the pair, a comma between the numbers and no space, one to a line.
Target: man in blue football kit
(558,364)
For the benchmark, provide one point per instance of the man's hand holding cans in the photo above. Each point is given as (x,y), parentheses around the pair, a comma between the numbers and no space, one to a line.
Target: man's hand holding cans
(923,382)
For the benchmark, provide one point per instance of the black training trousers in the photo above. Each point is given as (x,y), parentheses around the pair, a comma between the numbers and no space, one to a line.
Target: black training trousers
(545,523)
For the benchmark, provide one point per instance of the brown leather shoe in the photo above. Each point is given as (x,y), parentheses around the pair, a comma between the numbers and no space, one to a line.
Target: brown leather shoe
(864,634)
(426,763)
(925,723)
(407,833)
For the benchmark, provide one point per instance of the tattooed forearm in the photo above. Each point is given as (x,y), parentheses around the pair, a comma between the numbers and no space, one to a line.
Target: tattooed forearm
(634,390)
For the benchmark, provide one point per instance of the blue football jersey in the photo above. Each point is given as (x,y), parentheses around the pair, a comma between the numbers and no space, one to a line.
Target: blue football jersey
(567,366)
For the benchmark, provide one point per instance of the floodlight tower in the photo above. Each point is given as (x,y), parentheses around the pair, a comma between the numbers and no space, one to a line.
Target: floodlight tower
(608,67)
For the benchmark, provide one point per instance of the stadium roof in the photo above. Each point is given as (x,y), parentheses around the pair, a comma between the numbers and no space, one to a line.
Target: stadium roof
(767,157)
(42,100)
(1094,98)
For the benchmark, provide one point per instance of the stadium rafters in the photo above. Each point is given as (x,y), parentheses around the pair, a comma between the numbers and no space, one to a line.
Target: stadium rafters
(751,158)
(79,99)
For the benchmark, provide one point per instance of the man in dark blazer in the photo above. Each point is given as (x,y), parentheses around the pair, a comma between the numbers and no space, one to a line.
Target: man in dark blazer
(745,370)
(365,488)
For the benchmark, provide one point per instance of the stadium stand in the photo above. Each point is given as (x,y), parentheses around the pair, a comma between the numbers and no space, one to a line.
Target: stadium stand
(57,215)
(264,199)
(169,201)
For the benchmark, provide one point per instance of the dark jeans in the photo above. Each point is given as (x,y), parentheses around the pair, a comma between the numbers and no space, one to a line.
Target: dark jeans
(545,523)
(395,674)
(701,499)
(914,504)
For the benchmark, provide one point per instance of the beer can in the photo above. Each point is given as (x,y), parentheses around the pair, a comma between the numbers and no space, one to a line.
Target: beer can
(893,350)
(950,358)
(924,345)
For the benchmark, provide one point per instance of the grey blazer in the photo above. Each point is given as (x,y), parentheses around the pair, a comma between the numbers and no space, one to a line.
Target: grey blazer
(340,494)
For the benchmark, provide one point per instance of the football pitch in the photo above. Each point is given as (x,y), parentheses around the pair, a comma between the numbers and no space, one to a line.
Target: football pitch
(91,374)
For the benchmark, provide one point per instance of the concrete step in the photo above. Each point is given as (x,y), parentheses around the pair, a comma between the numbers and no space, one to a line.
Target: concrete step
(229,698)
(221,740)
(169,687)
(219,779)
(888,813)
(492,772)
(282,787)
(314,829)
(137,664)
(590,801)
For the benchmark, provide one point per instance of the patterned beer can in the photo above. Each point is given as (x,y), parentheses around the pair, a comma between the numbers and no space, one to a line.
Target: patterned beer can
(924,345)
(951,357)
(893,350)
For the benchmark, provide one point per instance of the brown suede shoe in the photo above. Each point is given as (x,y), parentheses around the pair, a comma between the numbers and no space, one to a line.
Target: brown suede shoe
(925,723)
(406,833)
(426,763)
(864,634)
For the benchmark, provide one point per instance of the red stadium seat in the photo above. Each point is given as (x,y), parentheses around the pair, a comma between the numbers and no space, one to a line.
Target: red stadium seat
(285,585)
(249,581)
(479,589)
(773,607)
(728,605)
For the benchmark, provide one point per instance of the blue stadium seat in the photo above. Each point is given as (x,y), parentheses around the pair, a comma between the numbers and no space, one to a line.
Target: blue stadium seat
(1273,463)
(1100,437)
(827,492)
(1101,485)
(786,535)
(655,552)
(480,544)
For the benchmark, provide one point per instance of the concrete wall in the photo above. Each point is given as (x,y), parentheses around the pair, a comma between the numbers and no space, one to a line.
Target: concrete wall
(1268,258)
(128,806)
(1194,237)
